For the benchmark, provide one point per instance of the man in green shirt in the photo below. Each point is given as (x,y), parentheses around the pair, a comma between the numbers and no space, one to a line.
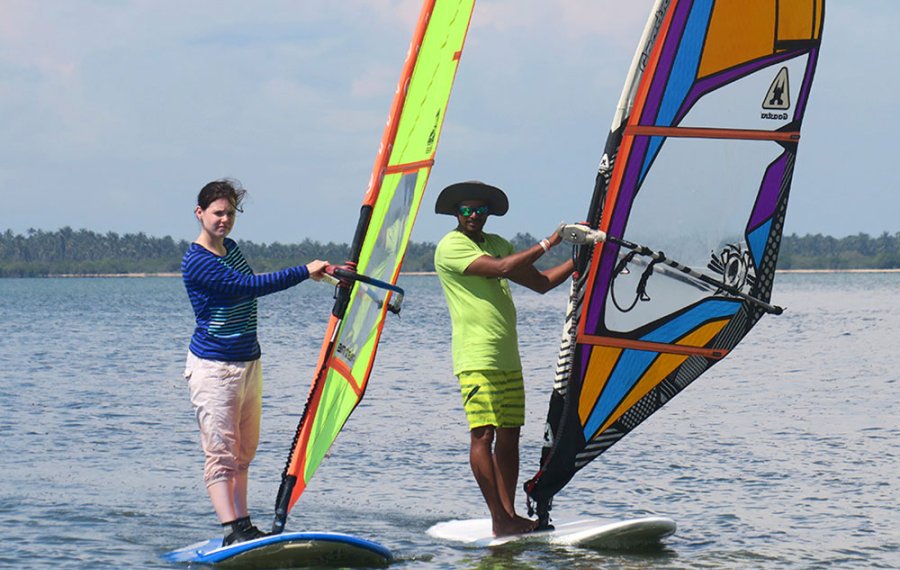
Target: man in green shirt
(474,268)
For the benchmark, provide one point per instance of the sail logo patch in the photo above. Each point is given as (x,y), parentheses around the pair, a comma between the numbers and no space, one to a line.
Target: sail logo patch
(778,97)
(347,352)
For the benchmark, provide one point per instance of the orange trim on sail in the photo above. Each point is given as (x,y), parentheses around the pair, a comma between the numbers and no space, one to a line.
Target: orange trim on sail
(341,368)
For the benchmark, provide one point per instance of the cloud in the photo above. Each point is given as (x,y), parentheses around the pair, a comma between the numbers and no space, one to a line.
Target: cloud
(572,20)
(116,101)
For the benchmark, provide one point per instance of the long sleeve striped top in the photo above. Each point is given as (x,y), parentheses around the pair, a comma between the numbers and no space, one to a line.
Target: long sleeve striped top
(223,292)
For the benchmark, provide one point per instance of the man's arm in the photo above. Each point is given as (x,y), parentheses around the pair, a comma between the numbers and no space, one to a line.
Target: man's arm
(520,268)
(543,281)
(489,266)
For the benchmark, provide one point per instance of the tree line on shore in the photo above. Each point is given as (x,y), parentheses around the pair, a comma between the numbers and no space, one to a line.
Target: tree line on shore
(66,251)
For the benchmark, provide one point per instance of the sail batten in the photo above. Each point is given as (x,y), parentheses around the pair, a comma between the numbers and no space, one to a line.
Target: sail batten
(709,133)
(690,203)
(410,167)
(668,348)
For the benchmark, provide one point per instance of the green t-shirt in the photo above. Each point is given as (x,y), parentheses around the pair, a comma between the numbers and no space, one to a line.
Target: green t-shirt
(481,308)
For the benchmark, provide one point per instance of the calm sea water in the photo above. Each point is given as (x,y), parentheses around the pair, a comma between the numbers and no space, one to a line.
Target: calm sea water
(785,455)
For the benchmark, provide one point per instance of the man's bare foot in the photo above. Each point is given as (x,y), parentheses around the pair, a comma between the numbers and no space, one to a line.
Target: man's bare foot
(514,525)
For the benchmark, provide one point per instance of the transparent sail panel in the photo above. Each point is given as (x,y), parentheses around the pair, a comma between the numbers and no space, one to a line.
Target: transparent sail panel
(359,326)
(693,206)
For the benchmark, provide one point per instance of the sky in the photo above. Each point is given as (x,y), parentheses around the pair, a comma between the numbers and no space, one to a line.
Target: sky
(115,113)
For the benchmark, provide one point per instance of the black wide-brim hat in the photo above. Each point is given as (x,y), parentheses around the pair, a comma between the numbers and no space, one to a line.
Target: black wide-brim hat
(452,195)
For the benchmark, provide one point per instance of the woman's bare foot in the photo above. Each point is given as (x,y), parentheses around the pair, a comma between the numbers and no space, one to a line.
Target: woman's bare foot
(514,525)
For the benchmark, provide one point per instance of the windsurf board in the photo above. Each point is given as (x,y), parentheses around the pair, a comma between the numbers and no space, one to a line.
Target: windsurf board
(286,550)
(584,532)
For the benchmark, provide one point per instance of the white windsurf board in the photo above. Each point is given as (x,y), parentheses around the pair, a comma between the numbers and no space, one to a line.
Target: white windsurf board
(584,532)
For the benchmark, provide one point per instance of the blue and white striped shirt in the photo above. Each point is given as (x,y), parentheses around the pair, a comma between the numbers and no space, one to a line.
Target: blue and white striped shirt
(223,292)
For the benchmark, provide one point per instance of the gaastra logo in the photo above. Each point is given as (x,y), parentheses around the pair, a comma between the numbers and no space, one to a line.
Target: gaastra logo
(657,24)
(778,97)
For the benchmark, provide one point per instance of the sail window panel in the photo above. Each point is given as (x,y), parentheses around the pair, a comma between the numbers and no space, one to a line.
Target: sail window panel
(381,255)
(746,102)
(696,199)
(391,222)
(358,330)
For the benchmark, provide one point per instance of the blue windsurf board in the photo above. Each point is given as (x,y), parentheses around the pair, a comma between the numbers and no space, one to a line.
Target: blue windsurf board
(286,550)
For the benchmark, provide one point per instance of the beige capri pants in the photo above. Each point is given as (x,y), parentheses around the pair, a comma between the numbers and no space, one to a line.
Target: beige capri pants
(227,400)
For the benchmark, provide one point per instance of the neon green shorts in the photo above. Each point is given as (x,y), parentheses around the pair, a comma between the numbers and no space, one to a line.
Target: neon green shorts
(493,398)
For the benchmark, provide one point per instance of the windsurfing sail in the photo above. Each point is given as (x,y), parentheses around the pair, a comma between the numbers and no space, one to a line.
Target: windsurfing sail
(683,230)
(389,208)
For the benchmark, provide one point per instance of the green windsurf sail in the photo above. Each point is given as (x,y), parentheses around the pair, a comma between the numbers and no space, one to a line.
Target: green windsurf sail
(389,209)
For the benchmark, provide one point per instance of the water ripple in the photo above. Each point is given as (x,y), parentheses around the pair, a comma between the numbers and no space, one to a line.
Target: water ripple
(783,456)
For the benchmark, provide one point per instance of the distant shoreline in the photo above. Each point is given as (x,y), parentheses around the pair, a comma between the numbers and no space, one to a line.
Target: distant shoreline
(419,273)
(83,253)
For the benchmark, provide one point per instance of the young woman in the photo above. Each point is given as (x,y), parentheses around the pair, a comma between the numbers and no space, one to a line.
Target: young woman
(223,368)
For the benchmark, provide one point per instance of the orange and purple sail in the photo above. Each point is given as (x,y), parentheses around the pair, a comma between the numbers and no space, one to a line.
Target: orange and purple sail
(389,209)
(690,198)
